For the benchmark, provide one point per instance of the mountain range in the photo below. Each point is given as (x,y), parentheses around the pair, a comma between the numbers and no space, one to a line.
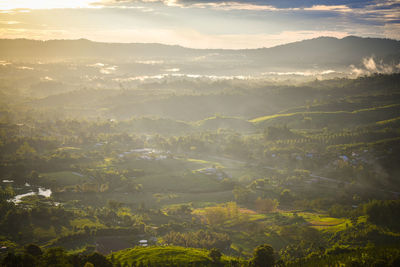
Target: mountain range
(322,52)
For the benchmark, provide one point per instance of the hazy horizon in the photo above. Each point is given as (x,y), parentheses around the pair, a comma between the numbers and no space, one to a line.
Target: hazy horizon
(167,44)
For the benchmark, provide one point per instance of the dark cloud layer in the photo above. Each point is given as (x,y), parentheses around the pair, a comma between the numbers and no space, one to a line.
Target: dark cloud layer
(282,4)
(291,3)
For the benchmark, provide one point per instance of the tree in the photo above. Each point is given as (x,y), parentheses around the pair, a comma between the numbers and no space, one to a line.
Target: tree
(11,260)
(266,205)
(114,205)
(241,194)
(215,254)
(263,256)
(86,229)
(33,250)
(286,197)
(55,257)
(99,260)
(34,177)
(25,151)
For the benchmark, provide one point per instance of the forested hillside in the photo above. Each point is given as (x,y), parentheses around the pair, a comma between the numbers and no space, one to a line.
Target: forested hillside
(156,155)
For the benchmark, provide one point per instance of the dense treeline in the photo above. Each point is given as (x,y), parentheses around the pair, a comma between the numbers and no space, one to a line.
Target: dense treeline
(34,256)
(370,256)
(384,213)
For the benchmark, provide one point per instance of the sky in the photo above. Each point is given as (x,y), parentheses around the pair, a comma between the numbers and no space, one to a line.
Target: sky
(235,24)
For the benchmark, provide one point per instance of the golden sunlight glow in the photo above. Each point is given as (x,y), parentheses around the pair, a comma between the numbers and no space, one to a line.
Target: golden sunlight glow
(44,4)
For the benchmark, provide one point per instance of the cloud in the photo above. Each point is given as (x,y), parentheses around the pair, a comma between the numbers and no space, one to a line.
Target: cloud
(338,8)
(392,30)
(259,4)
(10,22)
(14,11)
(205,23)
(367,10)
(43,4)
(235,6)
(38,34)
(370,66)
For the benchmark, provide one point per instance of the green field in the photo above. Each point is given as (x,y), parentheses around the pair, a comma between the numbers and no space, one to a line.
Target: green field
(165,256)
